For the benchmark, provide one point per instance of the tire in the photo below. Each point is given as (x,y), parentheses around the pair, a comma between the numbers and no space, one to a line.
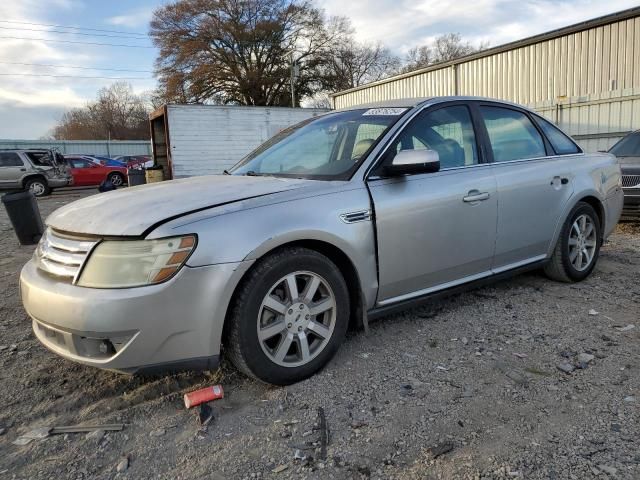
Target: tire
(38,186)
(117,179)
(564,265)
(297,322)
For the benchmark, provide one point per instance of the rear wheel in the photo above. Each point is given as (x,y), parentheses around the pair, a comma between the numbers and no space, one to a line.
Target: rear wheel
(116,179)
(578,247)
(38,186)
(289,317)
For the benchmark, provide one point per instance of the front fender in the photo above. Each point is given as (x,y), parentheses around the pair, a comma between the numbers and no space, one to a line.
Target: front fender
(230,235)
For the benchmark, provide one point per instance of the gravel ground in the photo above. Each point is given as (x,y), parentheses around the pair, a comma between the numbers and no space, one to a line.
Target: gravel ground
(467,387)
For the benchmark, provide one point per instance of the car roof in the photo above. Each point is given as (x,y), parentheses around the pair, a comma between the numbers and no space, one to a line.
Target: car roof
(419,101)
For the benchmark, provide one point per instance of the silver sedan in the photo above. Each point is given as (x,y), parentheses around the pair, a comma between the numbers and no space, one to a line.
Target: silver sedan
(331,223)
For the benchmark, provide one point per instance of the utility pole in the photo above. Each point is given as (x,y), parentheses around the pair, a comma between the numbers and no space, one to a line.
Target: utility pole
(294,74)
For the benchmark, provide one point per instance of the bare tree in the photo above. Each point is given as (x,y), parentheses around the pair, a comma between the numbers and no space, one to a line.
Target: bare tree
(241,51)
(117,113)
(351,64)
(443,49)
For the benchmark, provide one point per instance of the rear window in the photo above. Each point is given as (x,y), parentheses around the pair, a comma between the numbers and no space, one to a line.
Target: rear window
(512,135)
(562,144)
(629,146)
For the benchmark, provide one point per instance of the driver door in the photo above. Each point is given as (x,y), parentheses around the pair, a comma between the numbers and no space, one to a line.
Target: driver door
(435,230)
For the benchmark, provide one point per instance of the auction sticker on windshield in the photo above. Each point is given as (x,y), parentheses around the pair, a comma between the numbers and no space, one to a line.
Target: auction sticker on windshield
(385,111)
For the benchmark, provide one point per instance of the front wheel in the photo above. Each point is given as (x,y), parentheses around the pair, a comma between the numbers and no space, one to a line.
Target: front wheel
(289,316)
(576,252)
(116,179)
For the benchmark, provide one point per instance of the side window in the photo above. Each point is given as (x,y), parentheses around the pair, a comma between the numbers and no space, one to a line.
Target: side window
(10,159)
(448,131)
(78,163)
(512,135)
(562,144)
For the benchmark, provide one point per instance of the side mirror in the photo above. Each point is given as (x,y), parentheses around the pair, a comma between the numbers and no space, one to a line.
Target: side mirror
(413,161)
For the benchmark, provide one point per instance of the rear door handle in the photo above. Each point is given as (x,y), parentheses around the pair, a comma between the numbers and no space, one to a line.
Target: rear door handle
(476,196)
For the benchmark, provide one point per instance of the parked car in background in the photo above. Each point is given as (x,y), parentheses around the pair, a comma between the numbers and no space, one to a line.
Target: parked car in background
(86,172)
(627,151)
(135,161)
(38,171)
(338,219)
(106,161)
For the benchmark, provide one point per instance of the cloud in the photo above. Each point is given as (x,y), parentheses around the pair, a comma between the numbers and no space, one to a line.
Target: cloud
(407,23)
(135,18)
(17,119)
(29,89)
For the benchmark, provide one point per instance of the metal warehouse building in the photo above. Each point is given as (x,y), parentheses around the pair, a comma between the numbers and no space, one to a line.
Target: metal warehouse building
(585,78)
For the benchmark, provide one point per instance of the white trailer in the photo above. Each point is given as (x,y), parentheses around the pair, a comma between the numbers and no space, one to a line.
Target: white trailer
(190,140)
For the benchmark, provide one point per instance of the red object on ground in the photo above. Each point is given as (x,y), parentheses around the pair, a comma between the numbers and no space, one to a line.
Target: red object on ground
(204,395)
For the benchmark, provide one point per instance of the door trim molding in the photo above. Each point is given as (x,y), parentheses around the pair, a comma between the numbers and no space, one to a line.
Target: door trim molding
(460,281)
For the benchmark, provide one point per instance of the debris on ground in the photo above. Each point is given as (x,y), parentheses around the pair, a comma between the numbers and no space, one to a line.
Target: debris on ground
(565,367)
(585,358)
(43,432)
(207,394)
(324,433)
(280,468)
(441,449)
(205,414)
(123,464)
(593,312)
(626,329)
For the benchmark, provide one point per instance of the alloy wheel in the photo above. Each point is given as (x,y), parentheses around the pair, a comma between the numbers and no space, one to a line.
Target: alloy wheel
(296,319)
(37,188)
(582,242)
(116,180)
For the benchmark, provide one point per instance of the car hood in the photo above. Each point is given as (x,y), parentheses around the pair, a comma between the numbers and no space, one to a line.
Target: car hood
(133,211)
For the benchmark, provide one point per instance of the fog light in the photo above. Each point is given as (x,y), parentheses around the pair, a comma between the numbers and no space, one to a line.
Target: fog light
(106,347)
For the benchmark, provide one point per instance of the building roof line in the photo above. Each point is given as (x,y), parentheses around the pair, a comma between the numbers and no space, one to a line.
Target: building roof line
(525,42)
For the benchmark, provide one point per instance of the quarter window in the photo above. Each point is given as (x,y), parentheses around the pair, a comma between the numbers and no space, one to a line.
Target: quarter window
(512,135)
(561,144)
(10,159)
(448,131)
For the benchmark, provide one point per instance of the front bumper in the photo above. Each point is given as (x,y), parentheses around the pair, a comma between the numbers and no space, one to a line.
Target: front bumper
(173,325)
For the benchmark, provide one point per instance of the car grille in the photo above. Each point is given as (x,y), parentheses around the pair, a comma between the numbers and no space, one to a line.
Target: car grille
(630,181)
(62,255)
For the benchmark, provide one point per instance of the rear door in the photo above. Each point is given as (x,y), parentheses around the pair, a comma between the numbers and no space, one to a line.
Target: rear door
(435,230)
(534,184)
(12,168)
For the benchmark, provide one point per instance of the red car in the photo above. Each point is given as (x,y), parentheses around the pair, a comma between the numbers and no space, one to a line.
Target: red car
(88,172)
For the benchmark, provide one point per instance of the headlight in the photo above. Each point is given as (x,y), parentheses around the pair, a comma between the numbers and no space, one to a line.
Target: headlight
(134,263)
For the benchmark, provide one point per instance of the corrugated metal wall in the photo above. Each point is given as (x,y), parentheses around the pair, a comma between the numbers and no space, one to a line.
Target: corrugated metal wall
(588,81)
(88,147)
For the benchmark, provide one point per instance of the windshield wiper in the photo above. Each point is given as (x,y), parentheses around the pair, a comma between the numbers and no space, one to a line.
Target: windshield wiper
(251,173)
(225,172)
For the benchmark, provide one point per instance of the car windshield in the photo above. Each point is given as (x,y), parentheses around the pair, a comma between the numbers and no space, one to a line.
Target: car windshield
(629,146)
(327,148)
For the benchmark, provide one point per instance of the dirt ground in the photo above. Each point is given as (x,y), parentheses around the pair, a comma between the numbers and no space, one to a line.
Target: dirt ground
(466,387)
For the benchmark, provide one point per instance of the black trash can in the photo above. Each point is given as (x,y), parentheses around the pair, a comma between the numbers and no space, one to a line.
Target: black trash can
(23,211)
(136,177)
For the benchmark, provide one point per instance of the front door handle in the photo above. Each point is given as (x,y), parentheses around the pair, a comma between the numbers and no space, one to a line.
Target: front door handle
(476,196)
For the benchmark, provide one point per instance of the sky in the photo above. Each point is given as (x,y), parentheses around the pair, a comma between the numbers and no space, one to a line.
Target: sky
(34,97)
